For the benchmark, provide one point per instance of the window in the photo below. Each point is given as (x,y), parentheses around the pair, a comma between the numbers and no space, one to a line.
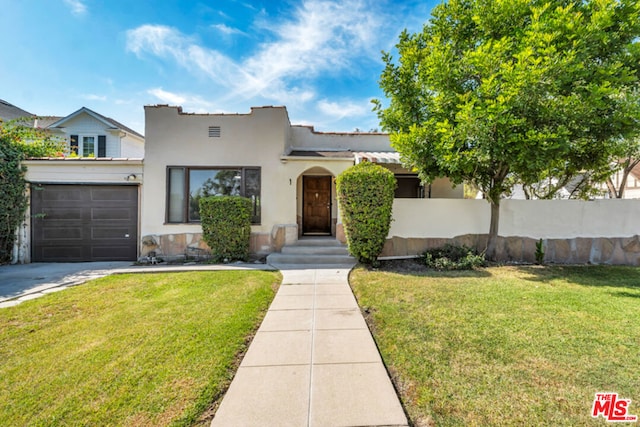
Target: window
(88,145)
(187,185)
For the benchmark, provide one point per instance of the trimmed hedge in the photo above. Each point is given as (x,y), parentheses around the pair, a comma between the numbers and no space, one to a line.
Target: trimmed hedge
(226,226)
(365,194)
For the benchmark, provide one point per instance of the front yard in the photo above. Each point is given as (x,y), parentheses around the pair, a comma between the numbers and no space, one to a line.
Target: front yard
(506,346)
(144,349)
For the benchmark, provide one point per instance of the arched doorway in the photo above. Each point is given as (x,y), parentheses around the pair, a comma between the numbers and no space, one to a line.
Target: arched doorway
(317,212)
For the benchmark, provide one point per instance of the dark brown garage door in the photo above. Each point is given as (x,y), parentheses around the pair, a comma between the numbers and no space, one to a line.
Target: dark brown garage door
(73,223)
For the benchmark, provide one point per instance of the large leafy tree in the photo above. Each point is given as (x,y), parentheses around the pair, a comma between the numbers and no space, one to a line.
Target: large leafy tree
(495,92)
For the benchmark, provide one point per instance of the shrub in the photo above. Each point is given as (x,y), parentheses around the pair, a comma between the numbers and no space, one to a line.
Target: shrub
(18,142)
(226,226)
(13,201)
(365,195)
(452,257)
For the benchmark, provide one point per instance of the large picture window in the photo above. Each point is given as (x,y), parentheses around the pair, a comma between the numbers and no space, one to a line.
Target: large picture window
(187,185)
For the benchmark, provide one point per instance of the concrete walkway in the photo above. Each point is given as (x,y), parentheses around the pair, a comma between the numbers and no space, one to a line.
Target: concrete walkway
(313,362)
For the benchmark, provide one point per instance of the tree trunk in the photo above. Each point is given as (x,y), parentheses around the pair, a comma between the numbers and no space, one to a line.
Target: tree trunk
(493,230)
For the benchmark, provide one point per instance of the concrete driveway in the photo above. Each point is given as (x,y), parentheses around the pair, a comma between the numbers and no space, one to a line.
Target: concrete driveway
(23,280)
(28,281)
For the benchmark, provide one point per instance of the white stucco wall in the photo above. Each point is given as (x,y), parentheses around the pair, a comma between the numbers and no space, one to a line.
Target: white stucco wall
(78,170)
(251,140)
(303,137)
(546,219)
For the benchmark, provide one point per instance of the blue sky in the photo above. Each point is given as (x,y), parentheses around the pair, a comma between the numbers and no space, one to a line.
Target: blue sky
(319,58)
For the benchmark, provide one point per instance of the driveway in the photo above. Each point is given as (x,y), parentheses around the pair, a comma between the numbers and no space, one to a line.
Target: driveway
(26,279)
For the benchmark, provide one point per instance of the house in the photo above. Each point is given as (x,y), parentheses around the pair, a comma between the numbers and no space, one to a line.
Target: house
(9,111)
(84,206)
(89,134)
(287,171)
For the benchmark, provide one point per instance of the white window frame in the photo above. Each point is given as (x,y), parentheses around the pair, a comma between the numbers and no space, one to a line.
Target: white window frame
(81,138)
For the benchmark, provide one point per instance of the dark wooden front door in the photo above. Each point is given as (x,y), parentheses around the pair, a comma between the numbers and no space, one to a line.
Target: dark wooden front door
(316,199)
(72,223)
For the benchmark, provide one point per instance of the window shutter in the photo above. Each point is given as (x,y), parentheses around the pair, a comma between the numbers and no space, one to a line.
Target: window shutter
(102,146)
(73,144)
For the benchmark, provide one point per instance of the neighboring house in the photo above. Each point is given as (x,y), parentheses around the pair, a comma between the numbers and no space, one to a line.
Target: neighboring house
(287,171)
(85,206)
(89,134)
(11,112)
(632,186)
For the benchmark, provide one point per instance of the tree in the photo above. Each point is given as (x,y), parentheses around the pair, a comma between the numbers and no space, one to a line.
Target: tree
(18,142)
(498,92)
(629,158)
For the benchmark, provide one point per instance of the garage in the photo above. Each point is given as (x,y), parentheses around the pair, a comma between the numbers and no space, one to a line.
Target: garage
(76,223)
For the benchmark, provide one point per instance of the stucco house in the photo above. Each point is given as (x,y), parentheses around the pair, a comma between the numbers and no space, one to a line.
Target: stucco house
(84,206)
(287,171)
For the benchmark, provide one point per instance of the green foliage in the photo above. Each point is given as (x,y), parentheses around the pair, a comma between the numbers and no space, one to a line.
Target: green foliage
(17,142)
(539,252)
(365,194)
(452,257)
(226,226)
(496,93)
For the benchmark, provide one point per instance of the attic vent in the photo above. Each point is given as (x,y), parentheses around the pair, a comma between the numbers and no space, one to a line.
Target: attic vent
(214,131)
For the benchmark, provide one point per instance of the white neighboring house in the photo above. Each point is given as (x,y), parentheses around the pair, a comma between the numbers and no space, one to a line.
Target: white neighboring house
(89,134)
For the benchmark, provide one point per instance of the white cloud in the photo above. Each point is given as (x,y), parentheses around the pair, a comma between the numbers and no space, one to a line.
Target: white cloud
(168,97)
(228,31)
(340,110)
(320,38)
(167,42)
(78,8)
(94,97)
(190,102)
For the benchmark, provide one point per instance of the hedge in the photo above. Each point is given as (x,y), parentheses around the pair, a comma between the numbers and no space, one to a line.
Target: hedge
(365,194)
(226,226)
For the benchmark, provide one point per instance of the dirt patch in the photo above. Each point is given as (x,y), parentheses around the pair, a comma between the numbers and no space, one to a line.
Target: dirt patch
(412,265)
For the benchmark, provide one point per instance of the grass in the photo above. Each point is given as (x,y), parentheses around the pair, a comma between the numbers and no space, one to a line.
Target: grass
(143,350)
(506,346)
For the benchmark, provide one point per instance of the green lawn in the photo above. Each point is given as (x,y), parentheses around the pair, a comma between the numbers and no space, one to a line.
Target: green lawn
(507,346)
(143,349)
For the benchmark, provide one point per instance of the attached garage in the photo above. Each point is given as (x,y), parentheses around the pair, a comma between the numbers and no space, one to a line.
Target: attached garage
(82,222)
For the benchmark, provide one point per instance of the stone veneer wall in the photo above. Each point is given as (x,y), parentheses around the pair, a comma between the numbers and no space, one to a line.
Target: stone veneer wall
(591,250)
(178,246)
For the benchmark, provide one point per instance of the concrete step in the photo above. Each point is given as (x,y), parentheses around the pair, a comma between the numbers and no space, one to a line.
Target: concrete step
(315,250)
(280,258)
(317,241)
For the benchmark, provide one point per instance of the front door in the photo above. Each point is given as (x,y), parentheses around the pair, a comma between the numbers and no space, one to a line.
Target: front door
(316,199)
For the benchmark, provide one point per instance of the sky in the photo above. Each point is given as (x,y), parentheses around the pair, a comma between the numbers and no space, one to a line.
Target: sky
(319,58)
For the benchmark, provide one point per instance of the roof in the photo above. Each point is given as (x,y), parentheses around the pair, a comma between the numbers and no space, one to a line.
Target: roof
(9,111)
(106,120)
(320,153)
(378,157)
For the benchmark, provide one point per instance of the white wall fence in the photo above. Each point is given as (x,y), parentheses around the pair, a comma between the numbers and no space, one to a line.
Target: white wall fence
(573,231)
